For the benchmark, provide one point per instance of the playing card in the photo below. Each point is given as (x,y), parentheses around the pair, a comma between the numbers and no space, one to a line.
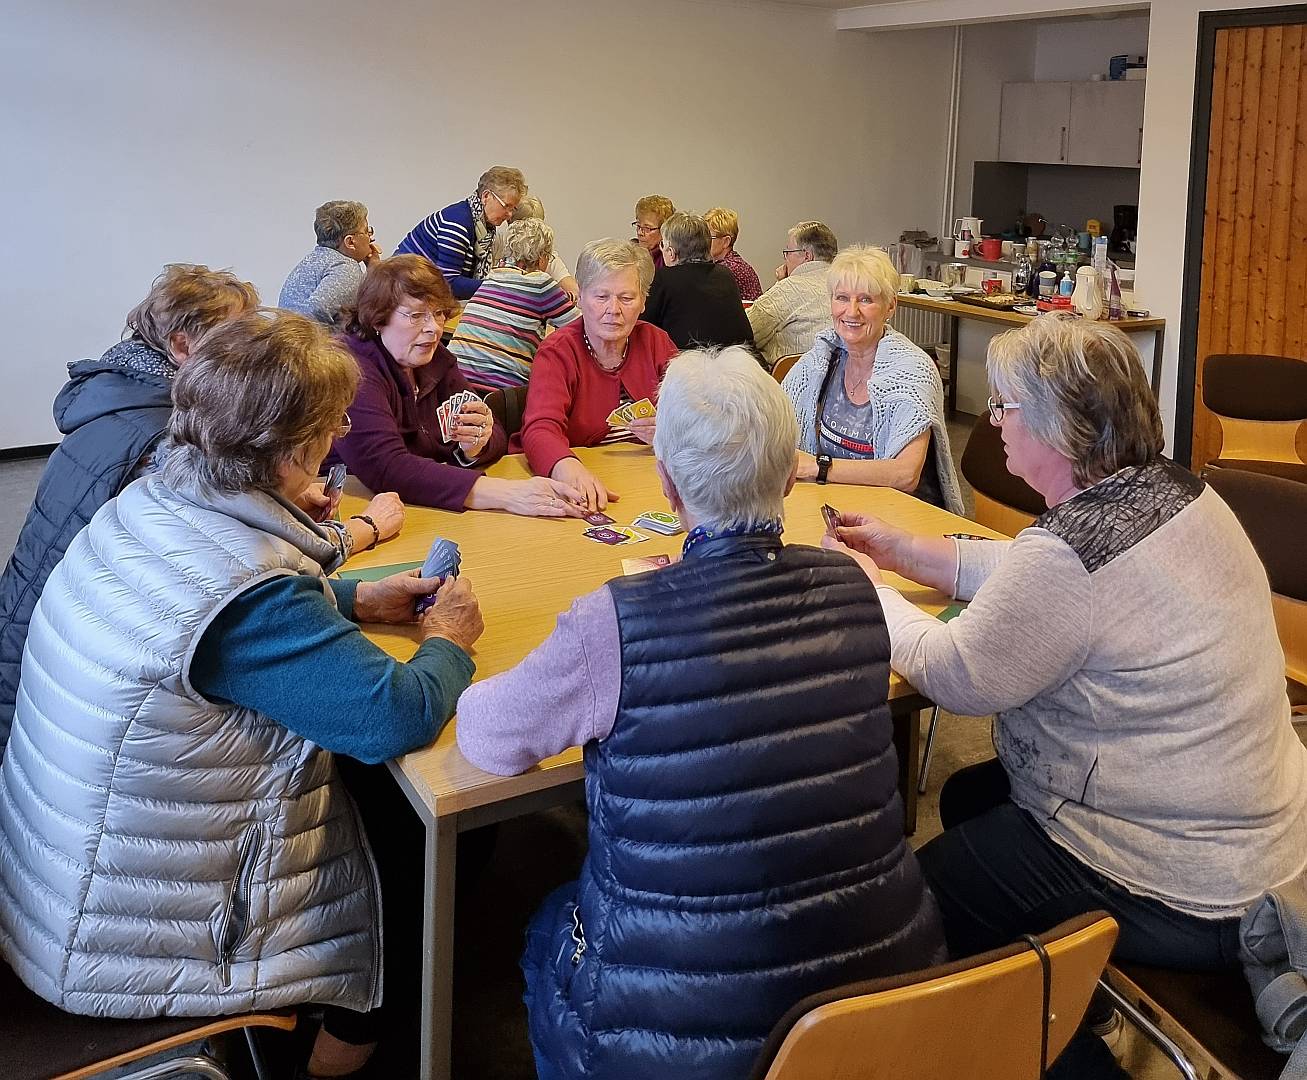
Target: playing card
(629,536)
(335,482)
(621,416)
(443,561)
(644,563)
(642,409)
(442,418)
(605,535)
(831,516)
(659,521)
(598,518)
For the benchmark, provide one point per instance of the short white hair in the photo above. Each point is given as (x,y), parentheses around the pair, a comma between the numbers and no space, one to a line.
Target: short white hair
(599,258)
(726,435)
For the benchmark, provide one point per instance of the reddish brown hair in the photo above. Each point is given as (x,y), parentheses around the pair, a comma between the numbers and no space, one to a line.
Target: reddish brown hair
(384,288)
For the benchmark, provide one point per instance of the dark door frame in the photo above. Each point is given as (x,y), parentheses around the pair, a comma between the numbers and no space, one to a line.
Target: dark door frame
(1209,22)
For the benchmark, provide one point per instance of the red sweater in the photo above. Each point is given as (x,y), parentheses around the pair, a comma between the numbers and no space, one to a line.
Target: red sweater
(570,396)
(395,443)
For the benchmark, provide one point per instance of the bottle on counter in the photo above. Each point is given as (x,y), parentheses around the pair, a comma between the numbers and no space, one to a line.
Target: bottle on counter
(1115,310)
(1023,273)
(1066,286)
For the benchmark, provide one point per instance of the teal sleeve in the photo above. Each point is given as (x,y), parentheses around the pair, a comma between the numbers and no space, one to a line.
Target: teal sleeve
(344,588)
(281,649)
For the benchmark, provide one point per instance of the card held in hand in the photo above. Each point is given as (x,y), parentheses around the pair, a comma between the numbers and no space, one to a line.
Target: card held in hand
(443,561)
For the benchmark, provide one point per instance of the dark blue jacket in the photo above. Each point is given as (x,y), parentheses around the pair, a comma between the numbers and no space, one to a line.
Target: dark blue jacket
(746,831)
(111,414)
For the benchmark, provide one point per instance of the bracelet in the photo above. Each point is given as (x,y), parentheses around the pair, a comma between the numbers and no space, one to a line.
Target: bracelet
(376,533)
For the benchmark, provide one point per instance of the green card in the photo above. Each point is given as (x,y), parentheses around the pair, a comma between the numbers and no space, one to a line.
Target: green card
(376,573)
(951,612)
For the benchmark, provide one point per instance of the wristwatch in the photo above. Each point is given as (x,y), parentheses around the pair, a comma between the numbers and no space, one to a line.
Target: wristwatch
(823,467)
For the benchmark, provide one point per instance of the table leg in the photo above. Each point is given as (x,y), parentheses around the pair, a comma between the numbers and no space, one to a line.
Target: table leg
(1159,339)
(953,321)
(907,744)
(438,948)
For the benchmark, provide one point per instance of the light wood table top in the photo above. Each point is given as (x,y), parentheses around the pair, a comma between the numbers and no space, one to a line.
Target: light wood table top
(1009,318)
(526,571)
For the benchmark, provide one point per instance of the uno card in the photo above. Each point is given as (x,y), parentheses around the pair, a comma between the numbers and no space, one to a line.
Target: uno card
(642,564)
(598,517)
(335,483)
(659,521)
(629,536)
(831,516)
(605,535)
(621,416)
(642,409)
(442,418)
(443,561)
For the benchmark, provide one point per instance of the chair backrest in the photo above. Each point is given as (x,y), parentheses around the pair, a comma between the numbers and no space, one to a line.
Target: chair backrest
(1004,502)
(507,407)
(974,1017)
(784,364)
(1273,512)
(1261,404)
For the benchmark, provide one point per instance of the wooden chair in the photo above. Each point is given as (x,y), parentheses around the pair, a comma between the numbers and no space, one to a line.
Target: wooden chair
(41,1042)
(982,1016)
(784,364)
(1273,512)
(1004,502)
(1261,405)
(508,407)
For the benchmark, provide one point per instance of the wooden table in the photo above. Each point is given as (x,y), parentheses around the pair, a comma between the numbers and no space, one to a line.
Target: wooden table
(526,571)
(957,310)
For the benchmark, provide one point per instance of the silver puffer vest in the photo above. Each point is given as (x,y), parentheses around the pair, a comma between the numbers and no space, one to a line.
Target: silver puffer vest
(161,854)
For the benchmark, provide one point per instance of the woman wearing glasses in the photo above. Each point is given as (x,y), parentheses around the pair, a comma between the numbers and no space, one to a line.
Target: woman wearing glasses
(395,443)
(1125,643)
(458,238)
(650,213)
(870,403)
(328,277)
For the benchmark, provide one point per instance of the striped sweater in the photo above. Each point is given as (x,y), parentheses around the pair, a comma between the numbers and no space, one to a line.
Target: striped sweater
(448,238)
(503,324)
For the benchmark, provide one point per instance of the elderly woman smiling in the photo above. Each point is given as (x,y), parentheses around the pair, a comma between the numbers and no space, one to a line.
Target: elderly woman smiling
(586,370)
(870,403)
(1146,761)
(720,828)
(193,851)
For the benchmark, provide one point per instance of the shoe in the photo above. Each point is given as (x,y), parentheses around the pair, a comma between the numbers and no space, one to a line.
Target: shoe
(1110,1030)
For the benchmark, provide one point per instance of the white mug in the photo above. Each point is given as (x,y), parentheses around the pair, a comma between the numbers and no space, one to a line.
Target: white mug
(1007,249)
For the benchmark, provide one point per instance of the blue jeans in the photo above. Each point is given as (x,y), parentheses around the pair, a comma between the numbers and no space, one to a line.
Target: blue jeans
(997,874)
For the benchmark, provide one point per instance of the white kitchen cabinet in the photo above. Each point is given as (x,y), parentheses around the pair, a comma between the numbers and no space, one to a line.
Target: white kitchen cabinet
(1033,122)
(1064,123)
(1107,124)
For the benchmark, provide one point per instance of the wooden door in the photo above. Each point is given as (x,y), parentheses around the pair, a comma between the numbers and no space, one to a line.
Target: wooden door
(1107,124)
(1253,288)
(1033,122)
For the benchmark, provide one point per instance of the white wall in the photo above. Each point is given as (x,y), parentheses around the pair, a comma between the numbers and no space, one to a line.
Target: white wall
(145,131)
(1074,50)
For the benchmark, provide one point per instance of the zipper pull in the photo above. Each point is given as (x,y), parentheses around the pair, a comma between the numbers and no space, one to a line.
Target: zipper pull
(578,936)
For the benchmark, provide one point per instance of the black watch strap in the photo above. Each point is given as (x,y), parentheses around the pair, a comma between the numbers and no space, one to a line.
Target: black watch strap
(823,467)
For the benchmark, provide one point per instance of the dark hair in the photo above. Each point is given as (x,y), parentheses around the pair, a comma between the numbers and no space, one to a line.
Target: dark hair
(384,288)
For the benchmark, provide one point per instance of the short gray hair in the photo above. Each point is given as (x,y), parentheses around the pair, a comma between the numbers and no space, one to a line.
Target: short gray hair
(815,238)
(256,391)
(335,220)
(527,242)
(726,435)
(599,258)
(502,179)
(1082,391)
(687,235)
(529,207)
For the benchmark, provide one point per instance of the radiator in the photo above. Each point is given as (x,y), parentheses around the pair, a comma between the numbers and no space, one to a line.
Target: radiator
(921,327)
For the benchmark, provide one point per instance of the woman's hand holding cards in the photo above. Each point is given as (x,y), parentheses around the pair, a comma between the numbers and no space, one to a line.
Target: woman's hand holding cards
(391,599)
(872,536)
(642,427)
(473,425)
(455,615)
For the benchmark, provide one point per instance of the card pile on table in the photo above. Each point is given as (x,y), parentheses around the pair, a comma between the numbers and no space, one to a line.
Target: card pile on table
(659,521)
(447,412)
(636,410)
(615,535)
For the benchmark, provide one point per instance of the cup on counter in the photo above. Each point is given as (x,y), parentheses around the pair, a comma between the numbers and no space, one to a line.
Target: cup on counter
(906,281)
(991,248)
(1009,249)
(1047,283)
(946,246)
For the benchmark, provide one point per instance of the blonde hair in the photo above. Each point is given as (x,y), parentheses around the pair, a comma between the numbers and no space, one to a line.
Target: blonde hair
(1082,391)
(600,258)
(527,243)
(864,268)
(190,299)
(724,222)
(256,391)
(660,206)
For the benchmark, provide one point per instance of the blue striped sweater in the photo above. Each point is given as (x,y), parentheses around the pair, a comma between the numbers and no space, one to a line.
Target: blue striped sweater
(448,239)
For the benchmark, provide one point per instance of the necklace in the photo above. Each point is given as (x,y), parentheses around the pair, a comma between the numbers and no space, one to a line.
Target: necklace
(626,345)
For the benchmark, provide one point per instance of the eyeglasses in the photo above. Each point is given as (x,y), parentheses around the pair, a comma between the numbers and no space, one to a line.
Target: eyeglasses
(421,318)
(792,251)
(644,230)
(503,205)
(717,236)
(998,408)
(346,426)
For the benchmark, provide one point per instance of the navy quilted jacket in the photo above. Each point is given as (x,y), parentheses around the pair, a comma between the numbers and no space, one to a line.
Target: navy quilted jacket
(112,412)
(746,832)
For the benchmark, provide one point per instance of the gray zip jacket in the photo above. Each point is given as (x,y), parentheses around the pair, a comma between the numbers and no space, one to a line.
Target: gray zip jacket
(160,854)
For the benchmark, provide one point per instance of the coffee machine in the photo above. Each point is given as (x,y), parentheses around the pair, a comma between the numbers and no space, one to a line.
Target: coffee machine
(1125,223)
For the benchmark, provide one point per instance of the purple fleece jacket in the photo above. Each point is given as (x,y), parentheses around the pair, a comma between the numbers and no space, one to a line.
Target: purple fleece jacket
(395,442)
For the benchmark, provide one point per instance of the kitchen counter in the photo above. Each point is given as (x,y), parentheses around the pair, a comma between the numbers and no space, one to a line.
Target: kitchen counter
(1123,261)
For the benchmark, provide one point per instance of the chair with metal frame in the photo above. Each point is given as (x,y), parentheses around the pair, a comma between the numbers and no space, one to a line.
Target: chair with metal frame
(508,406)
(1007,1013)
(1260,402)
(42,1042)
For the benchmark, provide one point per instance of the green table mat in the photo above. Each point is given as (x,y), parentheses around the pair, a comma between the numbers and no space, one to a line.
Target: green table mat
(951,612)
(376,573)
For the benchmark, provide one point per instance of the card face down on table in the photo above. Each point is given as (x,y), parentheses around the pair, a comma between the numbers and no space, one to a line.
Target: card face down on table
(614,535)
(659,521)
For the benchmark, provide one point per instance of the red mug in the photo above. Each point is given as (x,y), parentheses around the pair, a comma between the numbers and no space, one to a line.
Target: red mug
(991,248)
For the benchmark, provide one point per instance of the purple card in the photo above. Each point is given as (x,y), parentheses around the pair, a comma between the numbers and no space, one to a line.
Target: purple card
(598,518)
(605,535)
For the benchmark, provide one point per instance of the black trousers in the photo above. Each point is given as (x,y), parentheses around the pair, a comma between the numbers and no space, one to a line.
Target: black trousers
(997,875)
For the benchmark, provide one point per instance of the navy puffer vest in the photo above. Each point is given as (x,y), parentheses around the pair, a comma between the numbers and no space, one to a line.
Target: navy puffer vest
(746,832)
